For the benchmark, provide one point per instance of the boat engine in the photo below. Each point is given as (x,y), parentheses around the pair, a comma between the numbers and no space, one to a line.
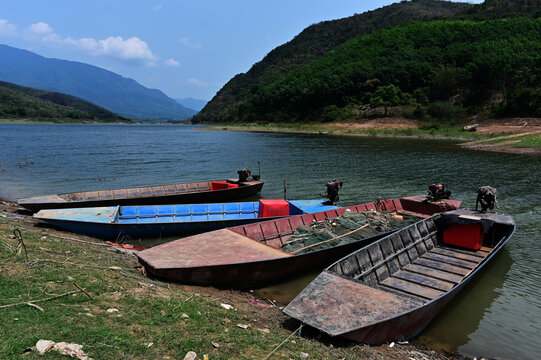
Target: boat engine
(332,191)
(244,174)
(437,192)
(486,196)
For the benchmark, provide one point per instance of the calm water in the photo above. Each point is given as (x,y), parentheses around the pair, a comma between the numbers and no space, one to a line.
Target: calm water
(498,315)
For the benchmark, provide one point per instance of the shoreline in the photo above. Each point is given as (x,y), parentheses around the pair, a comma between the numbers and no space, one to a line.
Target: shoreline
(265,320)
(406,129)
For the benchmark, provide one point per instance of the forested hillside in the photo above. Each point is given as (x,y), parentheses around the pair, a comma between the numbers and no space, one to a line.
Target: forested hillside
(312,43)
(331,71)
(441,68)
(18,102)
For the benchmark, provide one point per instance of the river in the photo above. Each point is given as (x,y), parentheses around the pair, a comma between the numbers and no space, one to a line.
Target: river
(498,315)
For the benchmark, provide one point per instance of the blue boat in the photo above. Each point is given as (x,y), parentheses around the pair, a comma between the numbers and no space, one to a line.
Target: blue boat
(156,221)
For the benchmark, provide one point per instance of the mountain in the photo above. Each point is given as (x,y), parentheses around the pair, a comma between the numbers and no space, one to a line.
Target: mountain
(24,102)
(116,93)
(443,70)
(191,103)
(312,43)
(498,9)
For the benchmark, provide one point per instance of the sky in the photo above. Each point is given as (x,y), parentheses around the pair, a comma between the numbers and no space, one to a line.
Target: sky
(185,48)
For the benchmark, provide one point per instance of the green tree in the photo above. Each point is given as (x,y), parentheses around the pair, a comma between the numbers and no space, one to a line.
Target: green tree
(386,96)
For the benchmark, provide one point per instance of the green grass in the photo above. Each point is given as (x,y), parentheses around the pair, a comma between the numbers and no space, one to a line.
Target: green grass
(148,311)
(531,141)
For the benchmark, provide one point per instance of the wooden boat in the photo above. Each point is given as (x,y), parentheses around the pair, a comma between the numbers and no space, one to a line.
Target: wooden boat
(166,220)
(188,193)
(391,289)
(250,256)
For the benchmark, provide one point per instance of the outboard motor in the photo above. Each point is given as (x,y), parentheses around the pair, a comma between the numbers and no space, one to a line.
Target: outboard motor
(244,174)
(332,191)
(437,192)
(486,196)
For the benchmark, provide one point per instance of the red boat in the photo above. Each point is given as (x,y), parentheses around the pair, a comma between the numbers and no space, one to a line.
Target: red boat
(391,289)
(250,256)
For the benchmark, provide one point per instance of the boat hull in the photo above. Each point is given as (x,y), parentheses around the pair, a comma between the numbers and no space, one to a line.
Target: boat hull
(254,274)
(392,289)
(189,193)
(241,269)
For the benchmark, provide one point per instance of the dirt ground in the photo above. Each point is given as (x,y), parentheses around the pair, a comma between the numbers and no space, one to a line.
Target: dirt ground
(508,128)
(388,123)
(263,311)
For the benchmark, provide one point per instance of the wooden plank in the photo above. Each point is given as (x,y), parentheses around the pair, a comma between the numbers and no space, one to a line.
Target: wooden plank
(331,213)
(459,255)
(480,253)
(254,232)
(283,225)
(424,280)
(375,253)
(435,273)
(308,218)
(319,216)
(386,248)
(349,266)
(450,260)
(269,228)
(295,222)
(360,208)
(441,266)
(382,272)
(412,288)
(364,260)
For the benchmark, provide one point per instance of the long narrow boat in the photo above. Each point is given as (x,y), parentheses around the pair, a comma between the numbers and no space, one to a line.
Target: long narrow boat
(390,290)
(250,256)
(166,220)
(187,193)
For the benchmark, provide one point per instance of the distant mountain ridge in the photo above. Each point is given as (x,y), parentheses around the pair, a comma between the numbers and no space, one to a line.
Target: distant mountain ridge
(102,87)
(23,102)
(193,104)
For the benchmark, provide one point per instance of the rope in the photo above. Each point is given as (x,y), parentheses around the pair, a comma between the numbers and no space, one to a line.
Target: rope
(282,343)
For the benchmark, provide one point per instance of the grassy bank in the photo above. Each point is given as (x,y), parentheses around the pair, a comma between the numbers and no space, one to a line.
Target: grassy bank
(531,141)
(129,316)
(422,130)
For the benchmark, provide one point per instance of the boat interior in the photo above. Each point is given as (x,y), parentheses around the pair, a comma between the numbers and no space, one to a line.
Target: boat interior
(425,260)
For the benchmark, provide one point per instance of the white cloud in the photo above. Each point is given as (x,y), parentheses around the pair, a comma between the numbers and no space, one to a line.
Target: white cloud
(196,82)
(129,49)
(171,62)
(7,28)
(132,50)
(157,7)
(40,29)
(187,42)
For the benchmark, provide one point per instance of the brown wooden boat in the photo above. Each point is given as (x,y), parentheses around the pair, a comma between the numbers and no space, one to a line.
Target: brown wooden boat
(250,256)
(213,191)
(391,289)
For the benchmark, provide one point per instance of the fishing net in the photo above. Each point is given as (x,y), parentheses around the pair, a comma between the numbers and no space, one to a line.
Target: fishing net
(318,235)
